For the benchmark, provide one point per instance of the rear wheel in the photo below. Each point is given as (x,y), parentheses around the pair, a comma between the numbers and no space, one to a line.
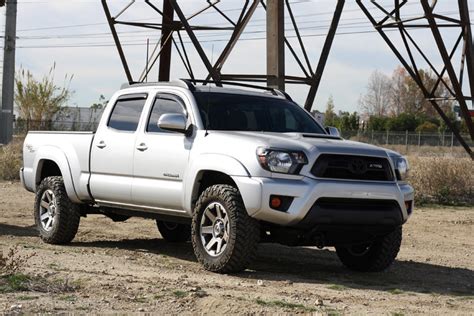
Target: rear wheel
(374,257)
(174,232)
(224,236)
(56,217)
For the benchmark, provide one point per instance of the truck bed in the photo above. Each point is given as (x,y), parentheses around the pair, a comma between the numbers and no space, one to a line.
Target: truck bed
(73,148)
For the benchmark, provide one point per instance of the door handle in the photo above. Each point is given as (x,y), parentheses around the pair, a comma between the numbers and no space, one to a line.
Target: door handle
(101,144)
(142,147)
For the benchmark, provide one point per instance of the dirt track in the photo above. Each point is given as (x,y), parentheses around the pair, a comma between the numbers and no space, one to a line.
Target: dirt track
(127,267)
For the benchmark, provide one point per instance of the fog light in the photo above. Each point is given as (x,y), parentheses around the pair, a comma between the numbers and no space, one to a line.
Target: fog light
(275,202)
(280,202)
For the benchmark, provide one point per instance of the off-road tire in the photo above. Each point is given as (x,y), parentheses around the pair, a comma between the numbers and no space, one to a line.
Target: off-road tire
(244,231)
(67,221)
(379,256)
(174,232)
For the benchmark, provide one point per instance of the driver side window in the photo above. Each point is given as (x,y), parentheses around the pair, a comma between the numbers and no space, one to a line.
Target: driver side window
(163,104)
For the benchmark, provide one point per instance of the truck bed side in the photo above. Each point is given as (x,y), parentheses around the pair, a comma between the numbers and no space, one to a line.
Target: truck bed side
(46,152)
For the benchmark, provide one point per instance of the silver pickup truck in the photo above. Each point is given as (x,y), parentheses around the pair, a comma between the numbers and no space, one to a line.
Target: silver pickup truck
(225,168)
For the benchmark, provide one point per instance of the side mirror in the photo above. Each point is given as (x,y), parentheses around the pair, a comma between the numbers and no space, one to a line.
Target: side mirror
(333,131)
(174,122)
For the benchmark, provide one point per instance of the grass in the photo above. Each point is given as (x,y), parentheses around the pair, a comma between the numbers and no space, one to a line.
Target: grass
(140,299)
(283,304)
(337,287)
(14,283)
(18,282)
(442,180)
(68,298)
(26,298)
(10,160)
(179,293)
(395,291)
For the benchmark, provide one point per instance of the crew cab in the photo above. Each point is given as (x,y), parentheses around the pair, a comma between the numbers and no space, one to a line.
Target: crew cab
(225,168)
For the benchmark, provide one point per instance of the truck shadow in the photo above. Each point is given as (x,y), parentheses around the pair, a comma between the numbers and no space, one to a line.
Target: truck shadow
(308,265)
(19,231)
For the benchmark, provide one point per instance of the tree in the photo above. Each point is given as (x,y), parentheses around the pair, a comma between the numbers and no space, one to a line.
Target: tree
(330,117)
(402,122)
(377,123)
(376,100)
(40,100)
(427,127)
(348,121)
(101,104)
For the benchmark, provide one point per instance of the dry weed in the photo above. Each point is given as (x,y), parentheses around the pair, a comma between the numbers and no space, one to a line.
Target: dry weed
(442,180)
(11,160)
(13,261)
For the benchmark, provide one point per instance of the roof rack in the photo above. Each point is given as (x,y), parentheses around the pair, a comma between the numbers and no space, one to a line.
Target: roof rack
(173,83)
(190,84)
(277,92)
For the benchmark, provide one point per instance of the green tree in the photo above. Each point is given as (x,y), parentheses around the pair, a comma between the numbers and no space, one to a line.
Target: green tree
(40,100)
(348,121)
(330,117)
(402,122)
(377,123)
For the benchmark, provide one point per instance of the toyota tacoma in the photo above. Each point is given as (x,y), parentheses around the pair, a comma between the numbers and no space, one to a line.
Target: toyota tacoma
(225,168)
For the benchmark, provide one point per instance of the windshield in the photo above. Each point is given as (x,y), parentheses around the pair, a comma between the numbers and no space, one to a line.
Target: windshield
(236,112)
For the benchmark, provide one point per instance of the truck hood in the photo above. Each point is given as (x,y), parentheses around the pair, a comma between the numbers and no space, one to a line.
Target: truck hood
(310,143)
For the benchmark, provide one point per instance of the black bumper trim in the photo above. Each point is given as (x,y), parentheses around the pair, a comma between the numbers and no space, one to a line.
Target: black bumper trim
(337,211)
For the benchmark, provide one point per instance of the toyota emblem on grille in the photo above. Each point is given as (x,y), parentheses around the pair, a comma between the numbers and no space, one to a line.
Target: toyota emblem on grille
(358,166)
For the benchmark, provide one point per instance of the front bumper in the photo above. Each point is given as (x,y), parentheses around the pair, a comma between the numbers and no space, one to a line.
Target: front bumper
(306,191)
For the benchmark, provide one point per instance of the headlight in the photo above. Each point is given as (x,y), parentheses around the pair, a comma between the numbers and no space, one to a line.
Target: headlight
(401,168)
(281,161)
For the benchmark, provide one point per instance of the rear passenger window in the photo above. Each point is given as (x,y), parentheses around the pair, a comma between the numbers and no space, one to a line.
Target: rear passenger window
(126,113)
(161,106)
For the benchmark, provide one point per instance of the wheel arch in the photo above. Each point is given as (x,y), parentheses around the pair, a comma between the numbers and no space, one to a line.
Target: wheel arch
(53,162)
(207,170)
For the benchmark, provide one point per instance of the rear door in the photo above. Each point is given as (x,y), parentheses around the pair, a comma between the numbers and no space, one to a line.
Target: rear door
(161,158)
(113,149)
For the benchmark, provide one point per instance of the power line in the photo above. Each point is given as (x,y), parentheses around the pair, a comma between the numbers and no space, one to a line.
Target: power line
(98,45)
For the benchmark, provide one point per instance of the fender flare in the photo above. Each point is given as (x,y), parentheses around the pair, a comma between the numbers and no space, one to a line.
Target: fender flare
(209,162)
(59,158)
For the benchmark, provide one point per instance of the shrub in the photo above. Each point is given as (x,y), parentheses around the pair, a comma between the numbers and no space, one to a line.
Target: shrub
(427,127)
(12,261)
(442,180)
(11,160)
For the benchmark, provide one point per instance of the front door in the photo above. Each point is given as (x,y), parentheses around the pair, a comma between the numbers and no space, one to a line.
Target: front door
(113,149)
(160,159)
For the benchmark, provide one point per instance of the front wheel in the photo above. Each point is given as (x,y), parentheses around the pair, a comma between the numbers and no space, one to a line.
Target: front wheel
(56,217)
(374,257)
(224,236)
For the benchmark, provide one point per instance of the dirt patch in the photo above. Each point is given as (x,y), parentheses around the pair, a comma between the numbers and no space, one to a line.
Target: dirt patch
(127,267)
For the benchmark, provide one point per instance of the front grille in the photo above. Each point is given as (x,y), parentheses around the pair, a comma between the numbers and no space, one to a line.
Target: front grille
(352,168)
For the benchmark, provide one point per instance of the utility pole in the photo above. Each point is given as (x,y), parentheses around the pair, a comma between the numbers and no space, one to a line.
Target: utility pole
(8,83)
(166,41)
(276,44)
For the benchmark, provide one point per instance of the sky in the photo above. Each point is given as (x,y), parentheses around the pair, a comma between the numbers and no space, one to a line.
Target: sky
(74,36)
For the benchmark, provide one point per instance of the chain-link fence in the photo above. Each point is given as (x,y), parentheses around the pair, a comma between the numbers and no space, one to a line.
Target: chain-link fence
(388,138)
(408,139)
(21,127)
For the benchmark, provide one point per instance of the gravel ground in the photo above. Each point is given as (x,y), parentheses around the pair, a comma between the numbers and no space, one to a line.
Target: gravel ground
(127,267)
